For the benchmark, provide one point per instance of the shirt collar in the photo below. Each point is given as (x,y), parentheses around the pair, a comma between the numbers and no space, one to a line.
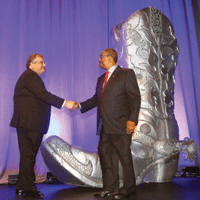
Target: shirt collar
(112,69)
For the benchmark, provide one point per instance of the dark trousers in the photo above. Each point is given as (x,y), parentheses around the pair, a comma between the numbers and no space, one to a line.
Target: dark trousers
(111,149)
(29,142)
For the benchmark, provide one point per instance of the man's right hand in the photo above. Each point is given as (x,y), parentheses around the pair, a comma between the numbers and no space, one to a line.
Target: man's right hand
(71,105)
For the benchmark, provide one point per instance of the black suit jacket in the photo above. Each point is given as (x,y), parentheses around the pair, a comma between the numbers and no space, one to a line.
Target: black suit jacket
(32,103)
(119,102)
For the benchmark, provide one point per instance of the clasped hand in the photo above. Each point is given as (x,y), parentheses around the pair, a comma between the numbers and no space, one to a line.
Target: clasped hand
(71,105)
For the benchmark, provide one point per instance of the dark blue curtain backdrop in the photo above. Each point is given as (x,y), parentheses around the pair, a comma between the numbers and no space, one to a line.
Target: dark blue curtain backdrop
(71,34)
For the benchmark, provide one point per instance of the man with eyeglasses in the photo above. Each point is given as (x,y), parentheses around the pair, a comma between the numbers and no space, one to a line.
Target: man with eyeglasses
(118,101)
(31,118)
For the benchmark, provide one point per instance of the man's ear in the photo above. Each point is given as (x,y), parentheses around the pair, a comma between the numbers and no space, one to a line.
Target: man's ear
(110,58)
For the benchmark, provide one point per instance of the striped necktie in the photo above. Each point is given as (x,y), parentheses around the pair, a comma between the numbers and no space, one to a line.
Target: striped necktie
(106,79)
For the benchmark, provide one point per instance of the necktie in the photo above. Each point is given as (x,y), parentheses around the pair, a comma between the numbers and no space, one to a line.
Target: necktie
(105,81)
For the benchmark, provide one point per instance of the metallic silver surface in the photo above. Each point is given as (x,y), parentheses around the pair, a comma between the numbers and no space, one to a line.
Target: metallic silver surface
(146,43)
(71,165)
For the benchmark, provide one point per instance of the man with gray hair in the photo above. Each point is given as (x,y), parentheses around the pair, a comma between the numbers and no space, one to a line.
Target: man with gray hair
(31,118)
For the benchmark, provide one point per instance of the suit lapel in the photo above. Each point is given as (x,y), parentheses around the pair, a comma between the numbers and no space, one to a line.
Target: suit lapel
(113,77)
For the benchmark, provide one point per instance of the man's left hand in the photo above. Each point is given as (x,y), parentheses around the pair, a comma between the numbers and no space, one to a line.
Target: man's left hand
(130,127)
(71,105)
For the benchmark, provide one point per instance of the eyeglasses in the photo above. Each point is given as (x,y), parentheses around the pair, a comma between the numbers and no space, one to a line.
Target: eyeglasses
(101,56)
(41,62)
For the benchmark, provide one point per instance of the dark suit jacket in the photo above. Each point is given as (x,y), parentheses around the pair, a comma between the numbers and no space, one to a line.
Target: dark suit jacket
(119,102)
(32,103)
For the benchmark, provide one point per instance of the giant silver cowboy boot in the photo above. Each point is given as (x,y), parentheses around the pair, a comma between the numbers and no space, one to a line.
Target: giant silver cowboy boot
(146,43)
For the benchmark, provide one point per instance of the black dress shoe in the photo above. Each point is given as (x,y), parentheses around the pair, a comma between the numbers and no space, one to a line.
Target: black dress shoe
(123,196)
(20,192)
(103,194)
(34,193)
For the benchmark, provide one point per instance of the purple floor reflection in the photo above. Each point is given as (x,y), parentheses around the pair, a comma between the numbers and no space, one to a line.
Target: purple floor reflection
(180,188)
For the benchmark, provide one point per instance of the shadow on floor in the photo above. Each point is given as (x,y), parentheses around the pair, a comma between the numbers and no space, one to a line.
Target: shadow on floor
(181,188)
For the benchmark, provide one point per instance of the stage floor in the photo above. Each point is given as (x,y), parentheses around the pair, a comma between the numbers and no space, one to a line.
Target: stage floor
(180,188)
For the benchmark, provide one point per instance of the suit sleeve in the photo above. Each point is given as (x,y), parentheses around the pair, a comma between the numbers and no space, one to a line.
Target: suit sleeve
(89,104)
(134,97)
(35,84)
(92,102)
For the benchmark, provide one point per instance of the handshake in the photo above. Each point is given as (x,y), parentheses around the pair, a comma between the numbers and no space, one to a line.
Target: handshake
(71,105)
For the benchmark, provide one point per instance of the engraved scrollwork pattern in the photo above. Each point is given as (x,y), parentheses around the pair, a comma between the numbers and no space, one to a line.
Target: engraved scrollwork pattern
(64,150)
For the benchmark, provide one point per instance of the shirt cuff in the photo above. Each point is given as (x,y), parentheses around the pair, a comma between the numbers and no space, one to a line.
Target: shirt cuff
(63,103)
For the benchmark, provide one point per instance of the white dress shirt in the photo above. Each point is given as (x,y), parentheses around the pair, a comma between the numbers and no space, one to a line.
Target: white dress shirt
(111,70)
